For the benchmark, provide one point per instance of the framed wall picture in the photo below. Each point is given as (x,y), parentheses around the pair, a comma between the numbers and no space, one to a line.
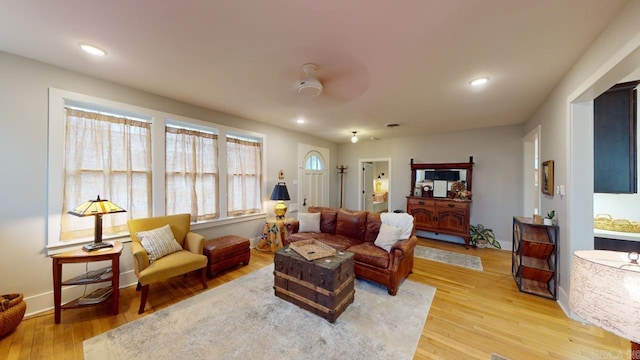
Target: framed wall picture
(547,177)
(440,188)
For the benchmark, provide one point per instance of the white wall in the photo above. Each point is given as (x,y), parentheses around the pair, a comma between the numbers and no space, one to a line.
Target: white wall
(497,173)
(600,67)
(24,84)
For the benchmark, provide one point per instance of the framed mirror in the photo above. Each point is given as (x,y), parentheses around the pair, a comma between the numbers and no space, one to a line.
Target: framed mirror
(439,180)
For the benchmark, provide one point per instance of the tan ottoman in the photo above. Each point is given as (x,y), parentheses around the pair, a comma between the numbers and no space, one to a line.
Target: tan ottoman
(225,252)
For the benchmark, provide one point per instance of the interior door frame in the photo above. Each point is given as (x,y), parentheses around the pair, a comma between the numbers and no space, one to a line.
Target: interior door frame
(531,193)
(360,179)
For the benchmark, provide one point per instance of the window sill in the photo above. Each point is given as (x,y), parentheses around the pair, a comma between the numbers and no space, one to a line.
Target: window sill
(124,237)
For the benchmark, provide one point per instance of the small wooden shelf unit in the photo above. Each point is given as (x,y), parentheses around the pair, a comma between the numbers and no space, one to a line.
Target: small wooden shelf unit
(81,256)
(534,257)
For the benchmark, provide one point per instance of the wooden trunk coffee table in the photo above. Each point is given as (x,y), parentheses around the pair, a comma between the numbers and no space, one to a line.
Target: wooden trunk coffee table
(323,286)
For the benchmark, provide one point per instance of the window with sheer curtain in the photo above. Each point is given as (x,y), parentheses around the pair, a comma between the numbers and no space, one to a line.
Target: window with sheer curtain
(107,156)
(191,173)
(244,176)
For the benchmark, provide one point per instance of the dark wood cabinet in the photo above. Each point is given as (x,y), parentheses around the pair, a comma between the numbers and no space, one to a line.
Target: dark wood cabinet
(446,214)
(534,257)
(615,140)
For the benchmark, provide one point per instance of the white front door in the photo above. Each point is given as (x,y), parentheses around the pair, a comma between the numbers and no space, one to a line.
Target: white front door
(313,177)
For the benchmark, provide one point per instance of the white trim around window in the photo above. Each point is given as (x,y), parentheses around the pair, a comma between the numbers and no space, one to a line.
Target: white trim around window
(58,99)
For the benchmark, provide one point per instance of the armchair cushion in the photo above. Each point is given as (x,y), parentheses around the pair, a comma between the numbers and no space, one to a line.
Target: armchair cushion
(158,242)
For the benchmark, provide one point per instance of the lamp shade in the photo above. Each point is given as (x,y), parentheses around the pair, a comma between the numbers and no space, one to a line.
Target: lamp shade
(280,192)
(96,207)
(605,290)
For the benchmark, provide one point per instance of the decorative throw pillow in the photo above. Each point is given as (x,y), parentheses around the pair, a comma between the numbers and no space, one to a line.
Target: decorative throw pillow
(387,236)
(309,222)
(158,242)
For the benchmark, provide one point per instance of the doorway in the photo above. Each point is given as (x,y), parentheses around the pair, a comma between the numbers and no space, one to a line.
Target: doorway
(531,187)
(375,185)
(313,176)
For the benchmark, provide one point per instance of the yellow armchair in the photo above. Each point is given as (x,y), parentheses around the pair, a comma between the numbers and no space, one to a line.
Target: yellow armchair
(178,263)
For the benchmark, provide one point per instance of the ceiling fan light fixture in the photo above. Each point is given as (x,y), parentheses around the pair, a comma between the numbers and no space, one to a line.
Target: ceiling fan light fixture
(354,138)
(310,86)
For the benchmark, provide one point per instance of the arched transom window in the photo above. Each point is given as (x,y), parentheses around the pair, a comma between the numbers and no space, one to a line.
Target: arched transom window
(314,161)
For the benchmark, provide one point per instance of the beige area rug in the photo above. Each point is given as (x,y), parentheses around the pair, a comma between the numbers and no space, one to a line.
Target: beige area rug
(448,257)
(243,319)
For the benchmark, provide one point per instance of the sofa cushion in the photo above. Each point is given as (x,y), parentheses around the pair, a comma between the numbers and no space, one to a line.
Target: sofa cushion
(368,253)
(309,222)
(373,227)
(387,237)
(328,218)
(351,224)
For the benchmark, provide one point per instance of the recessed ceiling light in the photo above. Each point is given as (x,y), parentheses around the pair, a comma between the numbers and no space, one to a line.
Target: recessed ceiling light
(93,50)
(300,121)
(479,81)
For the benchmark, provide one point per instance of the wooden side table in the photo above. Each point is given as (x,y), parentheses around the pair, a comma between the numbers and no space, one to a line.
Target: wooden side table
(81,256)
(273,234)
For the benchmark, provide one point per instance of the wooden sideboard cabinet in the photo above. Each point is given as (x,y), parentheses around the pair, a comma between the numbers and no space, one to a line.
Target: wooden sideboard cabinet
(434,201)
(443,216)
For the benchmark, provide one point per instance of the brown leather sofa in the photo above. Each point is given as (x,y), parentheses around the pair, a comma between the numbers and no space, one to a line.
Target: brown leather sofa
(356,231)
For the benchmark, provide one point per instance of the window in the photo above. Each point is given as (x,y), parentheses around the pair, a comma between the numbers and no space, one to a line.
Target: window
(148,162)
(244,176)
(192,173)
(107,156)
(313,162)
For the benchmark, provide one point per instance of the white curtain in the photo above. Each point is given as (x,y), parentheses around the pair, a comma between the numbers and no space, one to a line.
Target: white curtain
(191,173)
(244,177)
(107,156)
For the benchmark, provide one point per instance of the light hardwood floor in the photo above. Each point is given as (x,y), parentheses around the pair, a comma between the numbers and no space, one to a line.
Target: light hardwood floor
(473,315)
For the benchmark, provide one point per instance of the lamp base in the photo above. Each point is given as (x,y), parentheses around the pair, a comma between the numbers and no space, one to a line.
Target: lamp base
(280,209)
(96,246)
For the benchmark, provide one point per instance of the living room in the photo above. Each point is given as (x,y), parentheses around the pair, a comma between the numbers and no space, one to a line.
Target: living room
(497,152)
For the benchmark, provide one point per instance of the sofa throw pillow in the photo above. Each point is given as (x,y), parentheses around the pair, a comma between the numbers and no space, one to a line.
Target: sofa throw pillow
(158,242)
(309,222)
(387,236)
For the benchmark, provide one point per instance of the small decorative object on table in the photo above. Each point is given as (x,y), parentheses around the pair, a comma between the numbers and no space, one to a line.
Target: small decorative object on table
(12,309)
(549,219)
(312,249)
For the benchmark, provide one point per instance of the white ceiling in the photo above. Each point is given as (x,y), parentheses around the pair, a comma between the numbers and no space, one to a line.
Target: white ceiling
(405,61)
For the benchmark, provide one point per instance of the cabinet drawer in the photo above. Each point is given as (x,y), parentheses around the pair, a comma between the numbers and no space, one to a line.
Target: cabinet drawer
(420,202)
(453,205)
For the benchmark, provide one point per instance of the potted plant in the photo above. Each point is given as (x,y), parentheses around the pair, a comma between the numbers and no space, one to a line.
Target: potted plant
(548,220)
(481,236)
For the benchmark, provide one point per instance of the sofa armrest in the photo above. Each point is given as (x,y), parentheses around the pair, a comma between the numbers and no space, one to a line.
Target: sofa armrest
(194,242)
(400,249)
(292,226)
(140,256)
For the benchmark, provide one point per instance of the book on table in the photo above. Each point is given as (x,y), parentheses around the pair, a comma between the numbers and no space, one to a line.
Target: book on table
(96,296)
(92,276)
